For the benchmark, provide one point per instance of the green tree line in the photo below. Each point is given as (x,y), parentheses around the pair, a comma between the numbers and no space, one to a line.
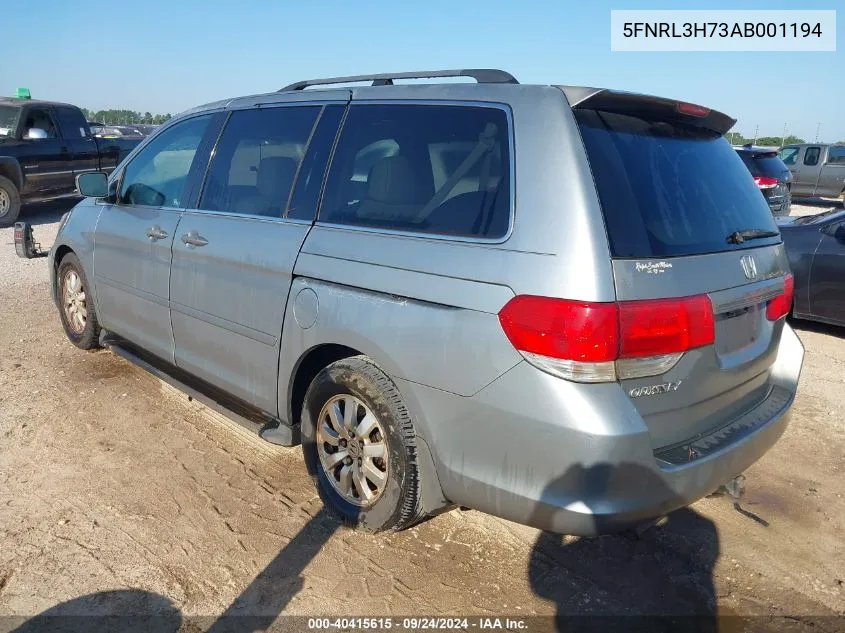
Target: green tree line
(124,117)
(736,138)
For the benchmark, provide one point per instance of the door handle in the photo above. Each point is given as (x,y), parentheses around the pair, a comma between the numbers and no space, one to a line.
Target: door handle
(156,233)
(192,238)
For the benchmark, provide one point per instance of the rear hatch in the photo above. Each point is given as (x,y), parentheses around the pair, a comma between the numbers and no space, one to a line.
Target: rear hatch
(686,225)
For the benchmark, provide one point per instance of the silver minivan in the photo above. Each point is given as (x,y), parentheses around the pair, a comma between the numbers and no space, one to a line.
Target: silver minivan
(564,306)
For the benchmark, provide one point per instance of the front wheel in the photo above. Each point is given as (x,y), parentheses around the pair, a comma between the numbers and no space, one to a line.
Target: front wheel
(76,308)
(360,446)
(10,202)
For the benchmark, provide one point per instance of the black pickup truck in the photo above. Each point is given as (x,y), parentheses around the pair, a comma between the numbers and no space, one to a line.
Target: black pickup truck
(43,147)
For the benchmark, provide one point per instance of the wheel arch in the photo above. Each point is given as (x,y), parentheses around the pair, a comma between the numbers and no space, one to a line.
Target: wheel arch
(10,168)
(61,251)
(311,363)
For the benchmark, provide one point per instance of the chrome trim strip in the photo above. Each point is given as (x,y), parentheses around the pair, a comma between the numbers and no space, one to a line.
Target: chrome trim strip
(439,236)
(246,216)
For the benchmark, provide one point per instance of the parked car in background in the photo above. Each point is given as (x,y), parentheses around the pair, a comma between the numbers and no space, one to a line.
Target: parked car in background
(43,146)
(815,245)
(355,268)
(771,176)
(119,131)
(818,170)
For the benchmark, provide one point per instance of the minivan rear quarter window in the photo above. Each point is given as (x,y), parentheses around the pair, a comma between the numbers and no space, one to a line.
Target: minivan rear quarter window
(667,189)
(431,168)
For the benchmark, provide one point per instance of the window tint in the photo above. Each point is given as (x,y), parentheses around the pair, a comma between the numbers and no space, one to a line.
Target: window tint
(811,156)
(422,168)
(256,160)
(8,120)
(836,155)
(764,164)
(41,119)
(789,155)
(667,189)
(158,174)
(309,183)
(71,122)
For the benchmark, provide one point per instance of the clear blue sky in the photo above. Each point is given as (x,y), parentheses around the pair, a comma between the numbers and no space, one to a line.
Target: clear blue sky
(166,56)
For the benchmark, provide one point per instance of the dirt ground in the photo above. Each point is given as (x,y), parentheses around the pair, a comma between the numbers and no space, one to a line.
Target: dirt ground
(120,494)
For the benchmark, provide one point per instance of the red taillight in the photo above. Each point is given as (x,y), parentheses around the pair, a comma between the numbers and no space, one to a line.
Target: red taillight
(665,326)
(558,328)
(600,333)
(692,110)
(782,304)
(765,182)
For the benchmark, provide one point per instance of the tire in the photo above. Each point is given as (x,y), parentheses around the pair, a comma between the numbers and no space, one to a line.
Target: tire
(84,333)
(398,505)
(10,202)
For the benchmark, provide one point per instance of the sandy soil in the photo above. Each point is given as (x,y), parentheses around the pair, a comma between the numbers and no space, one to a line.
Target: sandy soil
(111,481)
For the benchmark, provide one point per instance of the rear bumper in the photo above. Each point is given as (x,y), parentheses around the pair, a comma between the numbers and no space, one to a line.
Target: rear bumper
(577,459)
(780,205)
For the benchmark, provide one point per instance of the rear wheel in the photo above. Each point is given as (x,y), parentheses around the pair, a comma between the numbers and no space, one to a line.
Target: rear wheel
(75,306)
(10,202)
(360,446)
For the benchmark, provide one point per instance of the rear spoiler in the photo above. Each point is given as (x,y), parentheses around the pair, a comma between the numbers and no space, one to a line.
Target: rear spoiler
(648,107)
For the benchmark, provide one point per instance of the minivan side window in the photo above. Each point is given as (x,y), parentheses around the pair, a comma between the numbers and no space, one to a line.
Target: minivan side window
(312,172)
(836,155)
(811,156)
(439,169)
(789,155)
(257,159)
(157,176)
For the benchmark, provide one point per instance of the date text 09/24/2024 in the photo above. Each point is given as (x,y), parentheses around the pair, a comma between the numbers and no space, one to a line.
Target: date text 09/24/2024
(416,623)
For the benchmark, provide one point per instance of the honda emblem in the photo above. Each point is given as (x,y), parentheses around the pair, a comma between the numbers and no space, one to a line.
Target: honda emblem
(749,266)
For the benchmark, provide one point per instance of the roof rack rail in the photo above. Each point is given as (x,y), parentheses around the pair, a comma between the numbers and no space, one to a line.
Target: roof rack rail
(481,75)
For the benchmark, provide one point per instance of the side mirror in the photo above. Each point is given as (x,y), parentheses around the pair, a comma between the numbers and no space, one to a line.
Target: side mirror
(35,134)
(93,185)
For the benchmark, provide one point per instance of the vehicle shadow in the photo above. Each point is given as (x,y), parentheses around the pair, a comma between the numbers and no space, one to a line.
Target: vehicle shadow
(660,579)
(822,203)
(254,609)
(803,325)
(39,213)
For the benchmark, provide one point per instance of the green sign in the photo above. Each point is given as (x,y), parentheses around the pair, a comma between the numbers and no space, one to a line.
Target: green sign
(23,93)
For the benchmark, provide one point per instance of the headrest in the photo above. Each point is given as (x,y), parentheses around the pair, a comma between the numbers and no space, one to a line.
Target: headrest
(275,177)
(392,181)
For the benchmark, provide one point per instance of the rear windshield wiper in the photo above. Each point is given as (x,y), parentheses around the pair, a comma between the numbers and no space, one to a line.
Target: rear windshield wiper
(738,237)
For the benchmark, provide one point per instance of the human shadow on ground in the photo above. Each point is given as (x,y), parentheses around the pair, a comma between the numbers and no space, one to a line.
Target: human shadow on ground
(660,579)
(255,609)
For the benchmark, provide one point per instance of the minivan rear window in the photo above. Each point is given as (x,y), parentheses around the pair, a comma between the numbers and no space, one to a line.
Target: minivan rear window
(667,189)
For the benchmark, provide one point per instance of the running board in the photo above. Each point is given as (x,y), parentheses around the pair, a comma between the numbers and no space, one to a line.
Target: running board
(269,428)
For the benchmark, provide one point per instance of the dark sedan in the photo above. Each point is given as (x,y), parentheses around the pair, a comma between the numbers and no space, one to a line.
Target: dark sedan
(771,175)
(816,248)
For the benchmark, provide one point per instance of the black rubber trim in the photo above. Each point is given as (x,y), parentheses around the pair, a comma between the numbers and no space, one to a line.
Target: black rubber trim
(767,411)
